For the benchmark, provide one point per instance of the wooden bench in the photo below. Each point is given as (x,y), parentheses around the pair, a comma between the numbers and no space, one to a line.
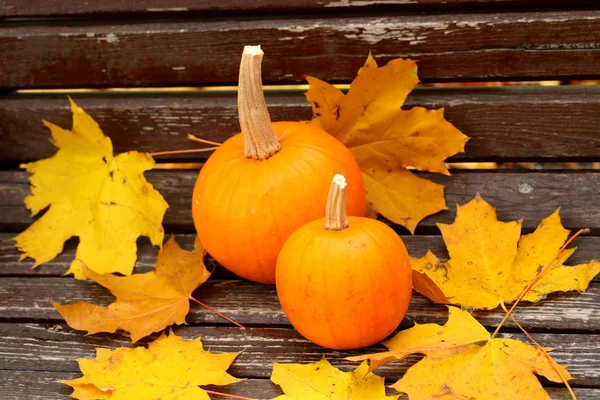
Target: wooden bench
(58,45)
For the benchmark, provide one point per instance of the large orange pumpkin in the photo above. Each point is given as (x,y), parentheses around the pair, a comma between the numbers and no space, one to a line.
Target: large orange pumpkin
(266,182)
(344,282)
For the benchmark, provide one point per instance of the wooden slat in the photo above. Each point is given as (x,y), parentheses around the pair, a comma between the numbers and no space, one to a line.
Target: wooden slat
(516,123)
(588,248)
(150,8)
(417,246)
(39,385)
(36,385)
(532,195)
(55,347)
(252,303)
(480,46)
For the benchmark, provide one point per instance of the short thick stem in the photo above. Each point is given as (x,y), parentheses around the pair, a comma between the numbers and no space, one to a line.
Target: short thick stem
(335,214)
(260,140)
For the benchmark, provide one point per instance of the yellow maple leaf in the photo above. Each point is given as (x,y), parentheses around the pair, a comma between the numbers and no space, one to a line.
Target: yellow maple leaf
(401,196)
(386,140)
(146,303)
(322,381)
(462,361)
(102,199)
(491,264)
(171,368)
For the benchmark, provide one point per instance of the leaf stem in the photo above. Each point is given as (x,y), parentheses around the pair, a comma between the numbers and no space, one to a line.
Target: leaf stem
(200,140)
(216,312)
(535,280)
(548,356)
(233,396)
(166,153)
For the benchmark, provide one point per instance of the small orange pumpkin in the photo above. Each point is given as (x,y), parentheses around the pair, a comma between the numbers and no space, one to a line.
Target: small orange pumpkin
(344,282)
(261,185)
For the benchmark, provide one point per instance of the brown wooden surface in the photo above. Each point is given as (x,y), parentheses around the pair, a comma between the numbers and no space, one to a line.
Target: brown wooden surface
(531,195)
(152,8)
(254,304)
(470,40)
(503,123)
(56,347)
(477,46)
(588,248)
(38,385)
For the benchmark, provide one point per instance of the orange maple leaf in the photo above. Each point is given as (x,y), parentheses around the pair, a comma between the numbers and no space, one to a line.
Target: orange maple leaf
(387,140)
(146,303)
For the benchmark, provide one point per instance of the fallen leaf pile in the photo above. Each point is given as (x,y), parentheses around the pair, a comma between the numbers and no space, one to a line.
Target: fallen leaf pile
(322,381)
(491,263)
(146,303)
(463,361)
(387,140)
(102,199)
(171,368)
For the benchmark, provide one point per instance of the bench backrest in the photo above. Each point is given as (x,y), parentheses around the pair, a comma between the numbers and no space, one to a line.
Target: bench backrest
(55,45)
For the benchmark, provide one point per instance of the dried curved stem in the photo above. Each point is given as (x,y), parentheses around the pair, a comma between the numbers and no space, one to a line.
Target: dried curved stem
(166,153)
(548,356)
(335,213)
(216,312)
(534,281)
(260,140)
(204,141)
(232,396)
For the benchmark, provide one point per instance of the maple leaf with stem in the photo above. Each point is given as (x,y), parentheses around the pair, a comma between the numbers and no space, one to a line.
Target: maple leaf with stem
(387,140)
(170,368)
(463,361)
(145,303)
(491,263)
(103,199)
(471,362)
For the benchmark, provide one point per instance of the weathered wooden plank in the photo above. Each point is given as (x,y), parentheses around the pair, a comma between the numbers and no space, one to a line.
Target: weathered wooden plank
(531,194)
(417,245)
(515,123)
(478,46)
(55,347)
(39,385)
(151,8)
(256,304)
(588,248)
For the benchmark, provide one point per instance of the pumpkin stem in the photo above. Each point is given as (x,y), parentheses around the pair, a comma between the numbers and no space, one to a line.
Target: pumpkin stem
(335,214)
(260,140)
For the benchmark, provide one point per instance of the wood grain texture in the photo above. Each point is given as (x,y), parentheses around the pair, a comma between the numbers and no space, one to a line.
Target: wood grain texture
(417,246)
(152,8)
(588,248)
(531,195)
(477,46)
(503,123)
(55,348)
(40,385)
(253,304)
